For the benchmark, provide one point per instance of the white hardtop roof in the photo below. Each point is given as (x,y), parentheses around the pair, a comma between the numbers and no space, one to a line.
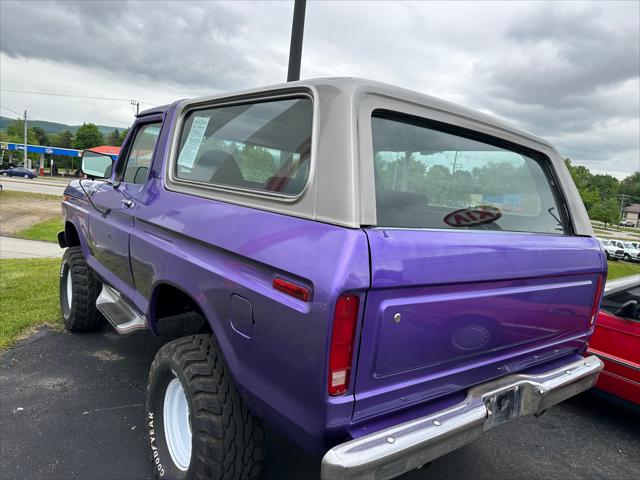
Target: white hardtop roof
(351,87)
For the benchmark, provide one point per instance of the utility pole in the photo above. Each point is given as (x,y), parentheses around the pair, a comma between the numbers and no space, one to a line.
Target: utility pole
(297,32)
(26,160)
(135,103)
(622,195)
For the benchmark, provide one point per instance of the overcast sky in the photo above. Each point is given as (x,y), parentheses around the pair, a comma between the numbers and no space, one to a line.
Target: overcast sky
(569,72)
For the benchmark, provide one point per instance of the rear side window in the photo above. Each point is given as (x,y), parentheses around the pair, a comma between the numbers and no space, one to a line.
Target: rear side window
(428,178)
(259,146)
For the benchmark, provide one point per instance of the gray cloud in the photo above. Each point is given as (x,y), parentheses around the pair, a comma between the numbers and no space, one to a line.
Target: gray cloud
(568,71)
(181,43)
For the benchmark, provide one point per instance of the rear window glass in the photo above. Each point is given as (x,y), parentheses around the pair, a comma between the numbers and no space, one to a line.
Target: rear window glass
(259,146)
(427,178)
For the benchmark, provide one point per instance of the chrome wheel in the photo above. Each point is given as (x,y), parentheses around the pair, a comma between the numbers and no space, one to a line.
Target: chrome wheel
(69,288)
(177,428)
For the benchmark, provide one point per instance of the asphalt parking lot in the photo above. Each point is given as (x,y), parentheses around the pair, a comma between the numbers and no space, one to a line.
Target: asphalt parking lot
(72,407)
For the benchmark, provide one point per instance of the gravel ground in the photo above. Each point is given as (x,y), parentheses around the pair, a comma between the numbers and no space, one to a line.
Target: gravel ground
(72,407)
(18,212)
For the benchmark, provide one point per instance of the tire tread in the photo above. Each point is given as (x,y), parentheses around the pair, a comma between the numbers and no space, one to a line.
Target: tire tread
(228,439)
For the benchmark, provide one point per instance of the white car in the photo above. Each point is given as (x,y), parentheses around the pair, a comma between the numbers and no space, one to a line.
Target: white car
(612,251)
(631,252)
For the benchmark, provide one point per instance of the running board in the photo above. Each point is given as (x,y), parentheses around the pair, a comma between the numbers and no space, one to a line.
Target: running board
(118,312)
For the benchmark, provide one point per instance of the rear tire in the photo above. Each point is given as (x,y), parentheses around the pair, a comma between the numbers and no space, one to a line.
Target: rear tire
(79,290)
(189,387)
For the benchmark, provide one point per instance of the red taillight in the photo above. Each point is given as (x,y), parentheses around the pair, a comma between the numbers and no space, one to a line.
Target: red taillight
(342,336)
(596,300)
(290,288)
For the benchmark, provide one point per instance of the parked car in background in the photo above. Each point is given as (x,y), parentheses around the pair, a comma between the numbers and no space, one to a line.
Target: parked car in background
(616,339)
(627,223)
(611,251)
(631,252)
(344,282)
(18,172)
(619,244)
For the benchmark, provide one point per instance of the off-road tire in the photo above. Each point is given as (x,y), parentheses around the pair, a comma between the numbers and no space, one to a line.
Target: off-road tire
(227,440)
(82,315)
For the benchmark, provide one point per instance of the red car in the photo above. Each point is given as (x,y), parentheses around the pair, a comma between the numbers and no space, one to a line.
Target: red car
(616,339)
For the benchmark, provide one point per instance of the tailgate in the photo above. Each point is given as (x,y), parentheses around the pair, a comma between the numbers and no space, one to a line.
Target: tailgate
(448,310)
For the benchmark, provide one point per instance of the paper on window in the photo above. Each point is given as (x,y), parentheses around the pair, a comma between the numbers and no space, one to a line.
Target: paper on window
(191,146)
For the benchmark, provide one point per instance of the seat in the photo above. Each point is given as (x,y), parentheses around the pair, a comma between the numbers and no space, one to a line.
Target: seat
(217,166)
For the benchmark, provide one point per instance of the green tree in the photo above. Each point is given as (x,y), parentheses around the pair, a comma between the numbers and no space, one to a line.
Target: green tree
(607,211)
(41,136)
(581,175)
(606,186)
(114,138)
(256,163)
(15,133)
(630,186)
(123,135)
(87,136)
(63,139)
(590,197)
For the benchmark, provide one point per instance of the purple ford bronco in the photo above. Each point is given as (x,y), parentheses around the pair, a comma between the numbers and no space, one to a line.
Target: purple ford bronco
(377,274)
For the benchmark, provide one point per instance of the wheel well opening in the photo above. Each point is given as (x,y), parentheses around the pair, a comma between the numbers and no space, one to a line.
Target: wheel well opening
(174,312)
(71,235)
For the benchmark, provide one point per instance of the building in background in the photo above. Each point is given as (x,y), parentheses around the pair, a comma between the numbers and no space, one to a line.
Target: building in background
(631,214)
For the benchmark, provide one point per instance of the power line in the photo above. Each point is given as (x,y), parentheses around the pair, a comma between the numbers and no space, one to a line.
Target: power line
(13,111)
(86,97)
(122,124)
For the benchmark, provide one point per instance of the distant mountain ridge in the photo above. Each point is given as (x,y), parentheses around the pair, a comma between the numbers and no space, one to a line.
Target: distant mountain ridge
(54,127)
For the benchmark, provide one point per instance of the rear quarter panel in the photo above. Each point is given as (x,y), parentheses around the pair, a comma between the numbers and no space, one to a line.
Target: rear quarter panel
(213,250)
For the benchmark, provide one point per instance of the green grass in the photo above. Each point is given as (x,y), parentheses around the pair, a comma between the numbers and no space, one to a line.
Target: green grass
(613,229)
(28,296)
(10,195)
(622,269)
(46,231)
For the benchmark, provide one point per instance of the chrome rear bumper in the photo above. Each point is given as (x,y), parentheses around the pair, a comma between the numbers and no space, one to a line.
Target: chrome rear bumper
(401,448)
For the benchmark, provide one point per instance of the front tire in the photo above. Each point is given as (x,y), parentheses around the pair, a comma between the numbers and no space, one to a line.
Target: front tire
(79,290)
(198,426)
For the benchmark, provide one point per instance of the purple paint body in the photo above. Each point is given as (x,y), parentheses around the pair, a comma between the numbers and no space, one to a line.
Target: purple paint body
(472,305)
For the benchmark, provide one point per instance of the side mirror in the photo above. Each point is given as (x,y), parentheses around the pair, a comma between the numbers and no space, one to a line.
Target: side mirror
(96,165)
(629,310)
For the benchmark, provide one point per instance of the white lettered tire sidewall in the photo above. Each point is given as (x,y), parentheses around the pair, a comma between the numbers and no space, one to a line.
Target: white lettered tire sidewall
(160,458)
(226,439)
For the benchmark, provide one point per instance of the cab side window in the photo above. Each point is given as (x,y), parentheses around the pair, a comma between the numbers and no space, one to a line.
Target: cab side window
(136,164)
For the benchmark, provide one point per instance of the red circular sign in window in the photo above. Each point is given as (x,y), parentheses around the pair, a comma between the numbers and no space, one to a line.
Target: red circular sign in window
(469,217)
